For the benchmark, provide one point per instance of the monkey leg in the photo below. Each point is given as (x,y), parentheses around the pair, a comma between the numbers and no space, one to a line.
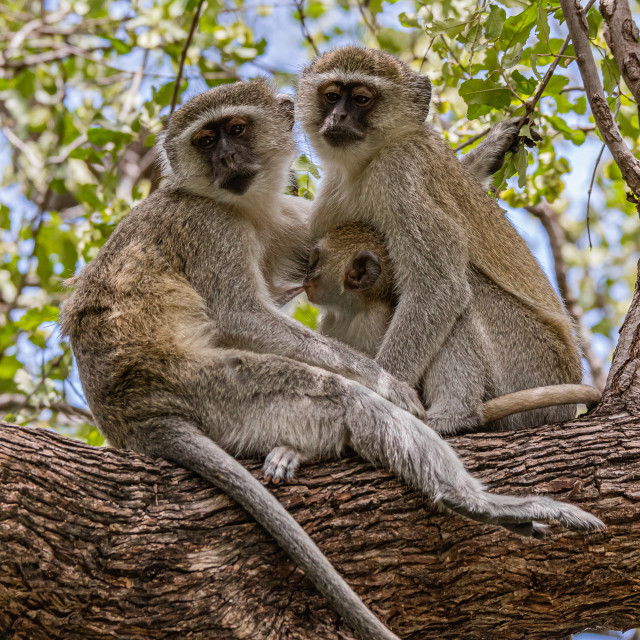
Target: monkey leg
(252,403)
(456,383)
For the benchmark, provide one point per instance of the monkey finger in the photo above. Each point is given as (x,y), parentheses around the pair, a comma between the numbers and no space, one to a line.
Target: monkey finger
(403,396)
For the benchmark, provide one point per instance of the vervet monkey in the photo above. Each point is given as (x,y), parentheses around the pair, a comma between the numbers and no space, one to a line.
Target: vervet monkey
(182,354)
(351,277)
(364,112)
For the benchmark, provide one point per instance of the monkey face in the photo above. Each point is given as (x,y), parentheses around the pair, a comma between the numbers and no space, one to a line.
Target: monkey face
(352,100)
(230,141)
(346,108)
(342,275)
(227,146)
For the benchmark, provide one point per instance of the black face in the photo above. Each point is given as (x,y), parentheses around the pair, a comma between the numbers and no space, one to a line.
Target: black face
(226,144)
(346,108)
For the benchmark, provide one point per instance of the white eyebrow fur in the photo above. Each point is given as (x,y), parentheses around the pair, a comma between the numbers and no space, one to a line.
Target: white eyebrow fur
(346,77)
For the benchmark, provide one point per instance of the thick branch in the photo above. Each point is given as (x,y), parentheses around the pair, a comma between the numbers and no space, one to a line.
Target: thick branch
(97,543)
(579,30)
(622,391)
(621,34)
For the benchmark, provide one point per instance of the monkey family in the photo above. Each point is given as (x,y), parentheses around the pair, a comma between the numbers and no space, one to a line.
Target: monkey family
(183,353)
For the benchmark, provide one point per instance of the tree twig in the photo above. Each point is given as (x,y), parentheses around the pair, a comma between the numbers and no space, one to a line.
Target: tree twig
(183,55)
(579,32)
(593,177)
(303,27)
(472,139)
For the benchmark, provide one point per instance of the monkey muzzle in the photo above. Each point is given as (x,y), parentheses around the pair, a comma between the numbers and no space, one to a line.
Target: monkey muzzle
(237,182)
(341,135)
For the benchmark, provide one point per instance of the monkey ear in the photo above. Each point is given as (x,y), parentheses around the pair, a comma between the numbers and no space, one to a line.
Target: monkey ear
(287,107)
(363,272)
(423,97)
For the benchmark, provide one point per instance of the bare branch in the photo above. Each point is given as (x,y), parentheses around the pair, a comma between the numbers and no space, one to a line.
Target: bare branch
(621,34)
(14,403)
(557,239)
(303,26)
(579,32)
(472,139)
(183,55)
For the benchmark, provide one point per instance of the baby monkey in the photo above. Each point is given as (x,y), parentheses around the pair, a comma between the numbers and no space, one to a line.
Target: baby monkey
(351,276)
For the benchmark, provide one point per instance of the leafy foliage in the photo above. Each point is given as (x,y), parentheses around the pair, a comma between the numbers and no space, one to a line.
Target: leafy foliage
(84,86)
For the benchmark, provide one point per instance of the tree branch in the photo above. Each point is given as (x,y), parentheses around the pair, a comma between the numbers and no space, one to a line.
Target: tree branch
(183,55)
(97,543)
(622,391)
(621,34)
(579,30)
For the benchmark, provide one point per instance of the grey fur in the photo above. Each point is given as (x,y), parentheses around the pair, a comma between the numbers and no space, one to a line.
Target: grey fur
(473,309)
(183,355)
(479,359)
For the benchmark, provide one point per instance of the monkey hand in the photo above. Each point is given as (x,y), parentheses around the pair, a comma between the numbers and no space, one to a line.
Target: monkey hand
(510,131)
(401,394)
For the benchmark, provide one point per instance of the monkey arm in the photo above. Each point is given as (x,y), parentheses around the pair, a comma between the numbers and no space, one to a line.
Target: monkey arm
(235,292)
(430,263)
(266,330)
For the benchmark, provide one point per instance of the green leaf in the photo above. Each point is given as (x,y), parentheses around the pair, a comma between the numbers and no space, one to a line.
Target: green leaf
(524,85)
(306,314)
(483,92)
(495,22)
(517,28)
(118,45)
(542,23)
(5,217)
(478,110)
(520,160)
(101,137)
(409,20)
(33,318)
(87,193)
(304,164)
(512,57)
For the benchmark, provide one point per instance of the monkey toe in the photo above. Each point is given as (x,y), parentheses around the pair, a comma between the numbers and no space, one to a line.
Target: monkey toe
(281,464)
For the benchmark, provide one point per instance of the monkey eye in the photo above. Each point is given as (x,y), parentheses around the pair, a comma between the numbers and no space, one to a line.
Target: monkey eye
(237,129)
(331,97)
(205,142)
(361,99)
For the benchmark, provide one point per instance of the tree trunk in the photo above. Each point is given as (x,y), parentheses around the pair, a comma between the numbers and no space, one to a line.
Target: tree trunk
(97,543)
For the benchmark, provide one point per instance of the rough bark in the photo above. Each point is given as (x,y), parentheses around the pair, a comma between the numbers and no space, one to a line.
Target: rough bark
(579,32)
(621,34)
(97,543)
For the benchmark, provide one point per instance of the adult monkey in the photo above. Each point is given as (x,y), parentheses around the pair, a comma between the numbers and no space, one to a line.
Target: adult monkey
(183,356)
(364,111)
(351,277)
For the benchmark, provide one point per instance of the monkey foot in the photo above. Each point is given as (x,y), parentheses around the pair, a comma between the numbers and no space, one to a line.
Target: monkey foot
(281,464)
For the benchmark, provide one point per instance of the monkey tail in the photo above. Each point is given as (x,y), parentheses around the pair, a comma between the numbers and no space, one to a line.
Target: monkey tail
(183,443)
(538,398)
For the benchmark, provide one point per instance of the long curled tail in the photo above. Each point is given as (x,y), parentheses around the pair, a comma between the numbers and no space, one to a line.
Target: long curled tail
(538,398)
(180,441)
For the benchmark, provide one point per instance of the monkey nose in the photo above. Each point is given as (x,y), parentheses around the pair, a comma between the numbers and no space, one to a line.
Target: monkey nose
(310,289)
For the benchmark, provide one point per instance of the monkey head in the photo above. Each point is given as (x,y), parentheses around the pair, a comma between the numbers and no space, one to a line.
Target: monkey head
(349,267)
(352,100)
(230,140)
